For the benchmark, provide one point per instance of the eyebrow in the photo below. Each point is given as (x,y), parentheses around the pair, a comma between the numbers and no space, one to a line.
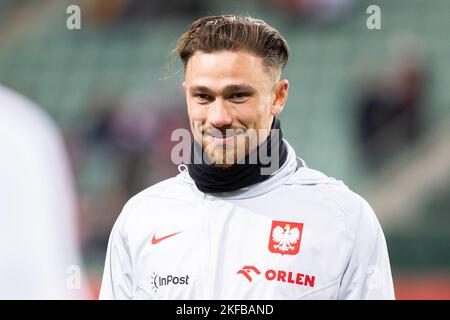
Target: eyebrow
(229,88)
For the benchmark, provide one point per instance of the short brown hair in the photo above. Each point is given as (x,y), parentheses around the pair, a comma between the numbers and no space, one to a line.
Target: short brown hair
(230,32)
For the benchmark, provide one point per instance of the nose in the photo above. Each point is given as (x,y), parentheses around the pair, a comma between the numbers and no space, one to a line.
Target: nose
(219,115)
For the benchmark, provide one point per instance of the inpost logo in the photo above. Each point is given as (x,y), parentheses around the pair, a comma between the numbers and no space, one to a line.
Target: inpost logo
(159,281)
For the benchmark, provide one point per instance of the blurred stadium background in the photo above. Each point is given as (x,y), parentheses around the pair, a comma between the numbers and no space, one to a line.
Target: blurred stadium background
(370,107)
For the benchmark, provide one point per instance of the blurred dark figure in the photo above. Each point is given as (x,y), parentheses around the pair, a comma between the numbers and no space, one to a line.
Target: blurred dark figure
(390,110)
(129,135)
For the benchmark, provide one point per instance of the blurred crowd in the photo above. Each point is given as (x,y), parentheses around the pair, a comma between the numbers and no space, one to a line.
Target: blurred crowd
(297,11)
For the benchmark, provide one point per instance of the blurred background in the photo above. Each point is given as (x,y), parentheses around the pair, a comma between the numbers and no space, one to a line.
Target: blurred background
(369,107)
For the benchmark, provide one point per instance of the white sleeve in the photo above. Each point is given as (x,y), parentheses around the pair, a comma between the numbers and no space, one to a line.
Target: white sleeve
(117,275)
(368,274)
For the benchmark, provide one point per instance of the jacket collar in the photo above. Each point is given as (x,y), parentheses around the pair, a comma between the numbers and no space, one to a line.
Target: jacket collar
(277,179)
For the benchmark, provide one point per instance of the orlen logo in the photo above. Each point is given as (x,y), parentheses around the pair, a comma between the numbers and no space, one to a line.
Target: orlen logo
(160,281)
(245,271)
(300,279)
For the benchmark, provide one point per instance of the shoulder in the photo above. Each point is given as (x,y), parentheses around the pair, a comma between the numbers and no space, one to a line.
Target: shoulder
(26,121)
(336,194)
(155,200)
(162,189)
(34,147)
(16,106)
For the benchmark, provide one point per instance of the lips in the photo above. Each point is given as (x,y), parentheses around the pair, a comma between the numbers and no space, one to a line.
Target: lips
(222,138)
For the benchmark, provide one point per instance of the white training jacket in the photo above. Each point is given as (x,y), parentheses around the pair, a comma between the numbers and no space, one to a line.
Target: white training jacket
(297,235)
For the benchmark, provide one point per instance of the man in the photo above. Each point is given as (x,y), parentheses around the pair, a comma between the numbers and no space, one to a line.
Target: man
(39,251)
(233,228)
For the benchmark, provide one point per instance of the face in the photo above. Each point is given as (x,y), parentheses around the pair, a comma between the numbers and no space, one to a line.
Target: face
(231,101)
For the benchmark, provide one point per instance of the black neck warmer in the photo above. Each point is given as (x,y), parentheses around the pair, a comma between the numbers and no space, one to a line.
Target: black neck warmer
(211,179)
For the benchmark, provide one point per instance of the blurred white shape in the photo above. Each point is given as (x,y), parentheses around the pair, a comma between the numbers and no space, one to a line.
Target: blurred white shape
(38,238)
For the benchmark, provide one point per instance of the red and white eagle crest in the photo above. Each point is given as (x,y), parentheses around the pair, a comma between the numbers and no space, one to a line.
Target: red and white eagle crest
(285,237)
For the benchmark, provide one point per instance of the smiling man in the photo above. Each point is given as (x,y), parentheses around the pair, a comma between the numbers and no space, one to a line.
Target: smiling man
(247,219)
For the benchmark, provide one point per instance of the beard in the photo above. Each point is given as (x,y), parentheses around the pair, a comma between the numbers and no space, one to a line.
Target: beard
(224,155)
(236,148)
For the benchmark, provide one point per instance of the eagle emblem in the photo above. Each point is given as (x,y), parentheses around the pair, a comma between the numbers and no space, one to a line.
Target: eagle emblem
(285,237)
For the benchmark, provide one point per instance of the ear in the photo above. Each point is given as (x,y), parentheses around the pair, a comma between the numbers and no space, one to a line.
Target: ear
(184,86)
(281,94)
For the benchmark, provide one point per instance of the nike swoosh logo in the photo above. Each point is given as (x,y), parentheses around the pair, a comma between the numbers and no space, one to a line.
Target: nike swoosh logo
(158,240)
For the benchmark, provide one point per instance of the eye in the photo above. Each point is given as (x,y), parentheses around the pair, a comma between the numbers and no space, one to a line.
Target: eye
(202,98)
(239,96)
